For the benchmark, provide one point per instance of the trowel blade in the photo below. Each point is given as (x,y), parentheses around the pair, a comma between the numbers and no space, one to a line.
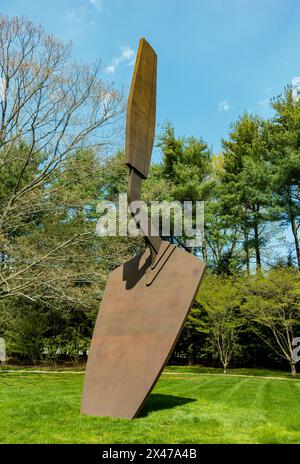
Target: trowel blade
(136,330)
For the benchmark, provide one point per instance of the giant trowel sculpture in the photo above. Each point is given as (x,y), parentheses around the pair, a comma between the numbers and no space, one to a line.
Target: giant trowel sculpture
(146,300)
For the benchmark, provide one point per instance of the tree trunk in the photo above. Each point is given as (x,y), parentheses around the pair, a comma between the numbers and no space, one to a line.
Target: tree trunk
(293,369)
(204,250)
(225,365)
(191,355)
(256,244)
(246,248)
(295,234)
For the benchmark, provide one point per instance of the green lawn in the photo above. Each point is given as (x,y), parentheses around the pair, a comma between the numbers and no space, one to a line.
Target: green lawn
(185,407)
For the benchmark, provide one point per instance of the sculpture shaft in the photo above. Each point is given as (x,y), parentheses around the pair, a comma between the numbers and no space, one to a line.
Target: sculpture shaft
(141,110)
(145,224)
(140,131)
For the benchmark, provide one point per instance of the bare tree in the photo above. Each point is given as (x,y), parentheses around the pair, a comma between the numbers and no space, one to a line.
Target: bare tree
(51,111)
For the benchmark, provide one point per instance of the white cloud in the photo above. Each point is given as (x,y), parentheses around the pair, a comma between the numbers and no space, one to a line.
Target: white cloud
(264,103)
(73,17)
(224,105)
(77,23)
(127,55)
(112,67)
(98,4)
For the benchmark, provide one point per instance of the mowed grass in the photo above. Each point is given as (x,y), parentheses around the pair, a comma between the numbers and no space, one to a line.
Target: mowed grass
(185,407)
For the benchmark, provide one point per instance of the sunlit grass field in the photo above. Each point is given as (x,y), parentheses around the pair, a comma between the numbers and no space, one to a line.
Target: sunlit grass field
(188,405)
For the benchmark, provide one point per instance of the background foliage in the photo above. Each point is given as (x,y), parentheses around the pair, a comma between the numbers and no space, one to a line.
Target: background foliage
(59,156)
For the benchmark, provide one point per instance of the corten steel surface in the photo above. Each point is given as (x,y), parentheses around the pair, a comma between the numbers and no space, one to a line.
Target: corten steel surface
(140,131)
(141,109)
(136,330)
(146,300)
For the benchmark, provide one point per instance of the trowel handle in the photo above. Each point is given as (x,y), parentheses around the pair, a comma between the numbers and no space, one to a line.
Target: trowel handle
(140,131)
(141,110)
(134,195)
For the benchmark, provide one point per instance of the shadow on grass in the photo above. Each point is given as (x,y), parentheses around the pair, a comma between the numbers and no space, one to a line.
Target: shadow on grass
(157,402)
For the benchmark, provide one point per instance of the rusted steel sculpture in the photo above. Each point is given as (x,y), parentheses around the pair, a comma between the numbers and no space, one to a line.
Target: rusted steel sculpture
(146,300)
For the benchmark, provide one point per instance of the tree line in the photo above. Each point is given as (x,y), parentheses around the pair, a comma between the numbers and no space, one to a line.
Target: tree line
(60,129)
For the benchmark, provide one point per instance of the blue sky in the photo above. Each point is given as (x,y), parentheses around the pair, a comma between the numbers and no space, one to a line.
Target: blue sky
(216,57)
